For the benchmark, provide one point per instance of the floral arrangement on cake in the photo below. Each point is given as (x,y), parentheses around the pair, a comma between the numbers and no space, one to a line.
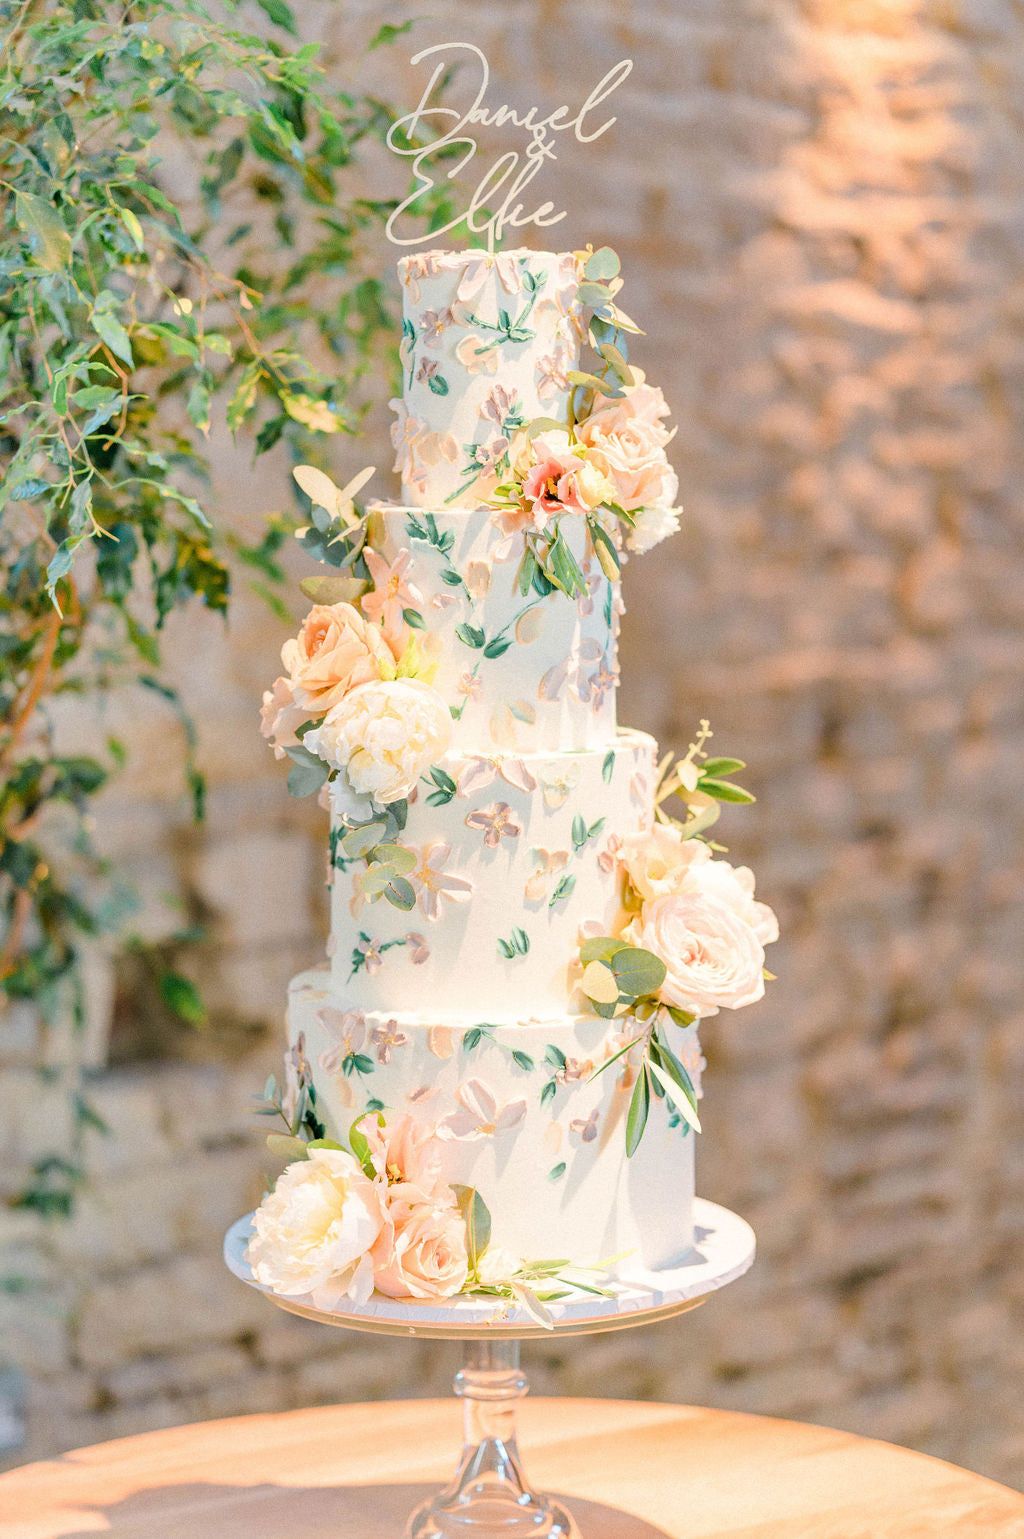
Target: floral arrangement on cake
(690,936)
(341,1224)
(366,713)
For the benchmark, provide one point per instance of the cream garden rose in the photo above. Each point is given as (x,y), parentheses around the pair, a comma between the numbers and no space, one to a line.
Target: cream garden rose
(713,959)
(659,861)
(383,735)
(335,651)
(313,1233)
(626,440)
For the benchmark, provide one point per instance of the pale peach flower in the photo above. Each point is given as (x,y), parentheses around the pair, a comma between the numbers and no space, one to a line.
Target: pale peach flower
(420,951)
(335,651)
(433,883)
(385,1038)
(402,1150)
(434,324)
(280,715)
(392,594)
(348,1030)
(469,354)
(586,1127)
(481,1115)
(546,863)
(496,822)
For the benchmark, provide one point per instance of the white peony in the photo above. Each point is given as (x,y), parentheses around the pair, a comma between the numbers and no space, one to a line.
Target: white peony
(383,736)
(714,960)
(652,526)
(313,1233)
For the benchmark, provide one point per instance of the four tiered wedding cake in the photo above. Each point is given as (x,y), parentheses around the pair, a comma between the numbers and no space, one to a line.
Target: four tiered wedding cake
(501,1065)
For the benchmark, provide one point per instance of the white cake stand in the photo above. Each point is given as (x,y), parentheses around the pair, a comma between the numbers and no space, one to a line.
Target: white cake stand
(489,1495)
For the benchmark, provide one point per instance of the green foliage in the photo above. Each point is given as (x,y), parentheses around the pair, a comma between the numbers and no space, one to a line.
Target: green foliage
(123,341)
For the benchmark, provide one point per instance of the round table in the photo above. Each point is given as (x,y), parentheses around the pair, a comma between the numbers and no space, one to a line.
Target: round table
(626,1470)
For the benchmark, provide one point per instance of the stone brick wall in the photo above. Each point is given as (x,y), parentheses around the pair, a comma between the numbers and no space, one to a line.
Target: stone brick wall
(819,207)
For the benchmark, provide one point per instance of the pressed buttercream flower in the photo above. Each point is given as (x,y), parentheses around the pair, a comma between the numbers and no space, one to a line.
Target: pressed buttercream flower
(421,1252)
(347,1029)
(473,359)
(481,1115)
(386,1038)
(434,324)
(335,651)
(433,883)
(496,823)
(383,736)
(713,958)
(392,594)
(313,1233)
(652,526)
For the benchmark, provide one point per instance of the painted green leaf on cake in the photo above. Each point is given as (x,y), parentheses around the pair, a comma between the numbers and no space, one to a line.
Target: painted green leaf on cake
(579,831)
(523,1060)
(562,890)
(414,619)
(608,765)
(438,384)
(472,1039)
(470,635)
(557,1171)
(497,646)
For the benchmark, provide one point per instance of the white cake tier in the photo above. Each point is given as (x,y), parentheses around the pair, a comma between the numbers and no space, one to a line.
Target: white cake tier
(486,344)
(550,1163)
(521,673)
(508,868)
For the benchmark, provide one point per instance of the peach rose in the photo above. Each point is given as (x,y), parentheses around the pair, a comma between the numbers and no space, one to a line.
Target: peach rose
(421,1251)
(626,439)
(660,861)
(714,960)
(335,650)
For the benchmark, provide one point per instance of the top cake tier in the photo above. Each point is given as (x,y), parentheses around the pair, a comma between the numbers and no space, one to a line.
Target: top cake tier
(487,342)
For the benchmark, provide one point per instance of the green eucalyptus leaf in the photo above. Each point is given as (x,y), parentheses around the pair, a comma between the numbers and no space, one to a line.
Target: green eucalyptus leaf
(399,858)
(637,971)
(603,264)
(477,1218)
(723,791)
(639,1108)
(334,590)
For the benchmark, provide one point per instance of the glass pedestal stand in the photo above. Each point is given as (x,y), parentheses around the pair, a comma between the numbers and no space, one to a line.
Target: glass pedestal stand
(488,1497)
(488,1493)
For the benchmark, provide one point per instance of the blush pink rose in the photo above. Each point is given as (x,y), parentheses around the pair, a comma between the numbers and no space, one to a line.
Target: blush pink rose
(279,716)
(713,958)
(403,1150)
(421,1251)
(335,650)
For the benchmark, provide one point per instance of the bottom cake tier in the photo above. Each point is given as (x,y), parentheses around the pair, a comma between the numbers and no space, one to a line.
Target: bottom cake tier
(519,1112)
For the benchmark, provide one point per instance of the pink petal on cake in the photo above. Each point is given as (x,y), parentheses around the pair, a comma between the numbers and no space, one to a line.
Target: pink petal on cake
(516,773)
(439,1041)
(478,773)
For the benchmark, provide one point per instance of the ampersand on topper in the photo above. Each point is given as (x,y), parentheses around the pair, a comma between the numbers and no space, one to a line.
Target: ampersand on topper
(511,173)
